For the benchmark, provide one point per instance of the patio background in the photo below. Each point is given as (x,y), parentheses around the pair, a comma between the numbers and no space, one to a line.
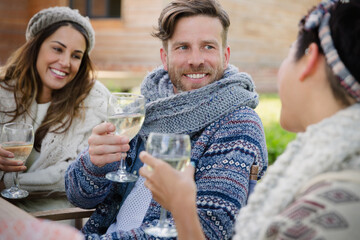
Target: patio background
(259,36)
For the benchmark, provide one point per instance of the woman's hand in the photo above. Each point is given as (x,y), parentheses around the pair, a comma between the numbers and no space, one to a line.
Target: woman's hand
(170,188)
(106,147)
(8,163)
(176,192)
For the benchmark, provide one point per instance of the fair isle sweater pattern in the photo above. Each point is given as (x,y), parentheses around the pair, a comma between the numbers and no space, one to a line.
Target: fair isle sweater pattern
(223,153)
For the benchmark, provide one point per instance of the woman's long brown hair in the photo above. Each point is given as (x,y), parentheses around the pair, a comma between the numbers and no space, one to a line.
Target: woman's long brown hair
(66,103)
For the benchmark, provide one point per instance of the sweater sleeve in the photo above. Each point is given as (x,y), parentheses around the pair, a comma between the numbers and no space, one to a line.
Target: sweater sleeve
(87,187)
(85,183)
(137,233)
(222,174)
(58,150)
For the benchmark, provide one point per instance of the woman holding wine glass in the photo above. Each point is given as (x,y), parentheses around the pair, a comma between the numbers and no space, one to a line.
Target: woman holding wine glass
(49,83)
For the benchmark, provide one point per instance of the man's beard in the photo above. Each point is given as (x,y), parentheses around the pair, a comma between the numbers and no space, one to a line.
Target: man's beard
(176,76)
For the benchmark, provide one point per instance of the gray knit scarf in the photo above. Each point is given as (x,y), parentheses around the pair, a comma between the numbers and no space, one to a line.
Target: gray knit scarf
(188,112)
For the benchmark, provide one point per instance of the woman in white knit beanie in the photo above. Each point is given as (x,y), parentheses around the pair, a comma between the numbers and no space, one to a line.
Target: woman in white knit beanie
(49,83)
(312,191)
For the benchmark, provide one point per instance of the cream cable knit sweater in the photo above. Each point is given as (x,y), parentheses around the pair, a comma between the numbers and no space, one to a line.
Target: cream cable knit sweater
(329,146)
(58,150)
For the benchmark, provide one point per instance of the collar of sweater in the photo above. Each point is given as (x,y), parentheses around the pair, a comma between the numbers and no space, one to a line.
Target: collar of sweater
(189,112)
(330,145)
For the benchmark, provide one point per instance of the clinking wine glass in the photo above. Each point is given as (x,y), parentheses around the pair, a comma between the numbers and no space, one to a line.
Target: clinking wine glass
(17,138)
(175,149)
(126,111)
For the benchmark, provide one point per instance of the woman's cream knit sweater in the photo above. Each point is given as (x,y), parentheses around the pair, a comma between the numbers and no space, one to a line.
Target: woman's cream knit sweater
(57,150)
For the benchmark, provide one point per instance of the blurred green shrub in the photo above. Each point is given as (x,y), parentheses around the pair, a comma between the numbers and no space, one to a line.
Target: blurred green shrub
(276,138)
(112,88)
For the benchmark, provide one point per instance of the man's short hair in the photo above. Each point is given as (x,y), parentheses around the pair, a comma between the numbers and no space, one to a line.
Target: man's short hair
(186,8)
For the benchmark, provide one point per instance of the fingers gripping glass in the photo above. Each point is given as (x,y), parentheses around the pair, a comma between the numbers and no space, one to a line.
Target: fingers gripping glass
(126,111)
(175,149)
(17,138)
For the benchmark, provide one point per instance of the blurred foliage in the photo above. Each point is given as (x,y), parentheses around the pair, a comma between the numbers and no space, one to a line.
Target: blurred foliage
(115,88)
(276,138)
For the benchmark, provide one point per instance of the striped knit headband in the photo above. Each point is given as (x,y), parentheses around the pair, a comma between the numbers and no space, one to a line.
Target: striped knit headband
(320,17)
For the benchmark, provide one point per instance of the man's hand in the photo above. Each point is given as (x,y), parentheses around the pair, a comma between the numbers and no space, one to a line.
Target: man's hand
(106,147)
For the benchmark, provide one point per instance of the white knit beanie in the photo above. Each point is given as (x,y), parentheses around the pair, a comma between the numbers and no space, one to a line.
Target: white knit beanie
(49,16)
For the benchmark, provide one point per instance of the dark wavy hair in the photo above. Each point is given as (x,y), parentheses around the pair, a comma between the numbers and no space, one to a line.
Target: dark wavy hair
(185,8)
(66,103)
(345,33)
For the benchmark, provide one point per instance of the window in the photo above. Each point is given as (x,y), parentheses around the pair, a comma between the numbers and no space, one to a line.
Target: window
(98,8)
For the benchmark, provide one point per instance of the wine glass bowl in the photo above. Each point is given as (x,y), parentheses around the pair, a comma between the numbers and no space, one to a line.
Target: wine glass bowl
(126,111)
(175,149)
(17,138)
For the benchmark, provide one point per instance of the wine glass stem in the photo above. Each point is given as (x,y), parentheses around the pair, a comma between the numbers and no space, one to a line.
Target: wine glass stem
(162,217)
(122,167)
(16,179)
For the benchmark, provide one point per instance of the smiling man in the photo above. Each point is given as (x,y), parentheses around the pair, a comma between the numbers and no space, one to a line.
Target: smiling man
(195,55)
(197,92)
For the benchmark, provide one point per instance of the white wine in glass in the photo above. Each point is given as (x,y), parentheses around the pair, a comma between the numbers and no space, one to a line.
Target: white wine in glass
(127,124)
(17,138)
(175,149)
(126,111)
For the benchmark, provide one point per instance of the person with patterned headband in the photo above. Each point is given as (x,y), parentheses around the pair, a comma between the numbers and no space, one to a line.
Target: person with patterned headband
(312,191)
(197,92)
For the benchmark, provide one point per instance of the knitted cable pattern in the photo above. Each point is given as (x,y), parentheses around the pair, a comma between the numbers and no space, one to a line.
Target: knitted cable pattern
(330,145)
(58,150)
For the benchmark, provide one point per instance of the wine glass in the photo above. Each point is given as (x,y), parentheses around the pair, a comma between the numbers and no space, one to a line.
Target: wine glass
(175,149)
(126,111)
(17,138)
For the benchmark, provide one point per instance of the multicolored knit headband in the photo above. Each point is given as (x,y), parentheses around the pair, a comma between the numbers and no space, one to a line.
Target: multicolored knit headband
(320,17)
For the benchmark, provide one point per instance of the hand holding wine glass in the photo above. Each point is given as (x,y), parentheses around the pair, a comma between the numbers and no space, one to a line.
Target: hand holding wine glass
(126,111)
(8,163)
(175,149)
(171,188)
(17,138)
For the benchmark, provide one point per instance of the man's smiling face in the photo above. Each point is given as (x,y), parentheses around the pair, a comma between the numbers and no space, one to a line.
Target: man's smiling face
(195,56)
